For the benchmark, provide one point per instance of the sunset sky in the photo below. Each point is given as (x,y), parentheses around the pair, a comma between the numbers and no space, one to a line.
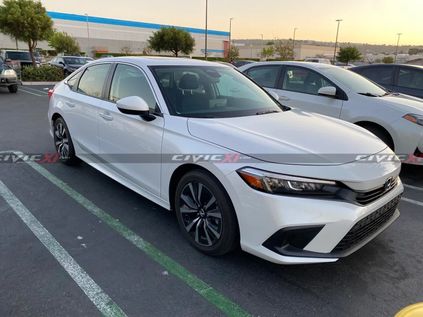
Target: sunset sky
(366,21)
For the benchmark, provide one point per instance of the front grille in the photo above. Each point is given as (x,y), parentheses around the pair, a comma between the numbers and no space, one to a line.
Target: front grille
(367,226)
(365,198)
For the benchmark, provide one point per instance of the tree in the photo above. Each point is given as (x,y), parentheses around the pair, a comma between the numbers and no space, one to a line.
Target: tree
(26,20)
(284,51)
(173,40)
(349,54)
(267,52)
(64,43)
(388,60)
(233,53)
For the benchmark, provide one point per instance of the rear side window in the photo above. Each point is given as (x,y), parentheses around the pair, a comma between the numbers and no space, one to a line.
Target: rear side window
(73,81)
(381,75)
(410,78)
(265,76)
(129,81)
(93,79)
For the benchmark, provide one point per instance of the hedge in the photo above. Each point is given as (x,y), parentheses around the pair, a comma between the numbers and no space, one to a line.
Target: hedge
(42,73)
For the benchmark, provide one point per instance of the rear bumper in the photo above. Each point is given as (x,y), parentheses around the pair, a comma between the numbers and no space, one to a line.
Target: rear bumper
(8,81)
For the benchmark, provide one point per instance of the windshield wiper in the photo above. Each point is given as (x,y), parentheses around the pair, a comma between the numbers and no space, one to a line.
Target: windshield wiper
(368,94)
(266,112)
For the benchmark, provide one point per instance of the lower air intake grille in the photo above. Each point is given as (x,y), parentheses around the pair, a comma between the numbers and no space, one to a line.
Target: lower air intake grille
(366,226)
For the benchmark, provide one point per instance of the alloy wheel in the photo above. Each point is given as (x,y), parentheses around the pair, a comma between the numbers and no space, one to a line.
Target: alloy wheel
(61,140)
(201,214)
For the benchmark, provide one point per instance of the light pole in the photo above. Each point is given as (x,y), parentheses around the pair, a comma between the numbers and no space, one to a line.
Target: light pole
(206,31)
(336,41)
(396,50)
(88,33)
(230,36)
(293,43)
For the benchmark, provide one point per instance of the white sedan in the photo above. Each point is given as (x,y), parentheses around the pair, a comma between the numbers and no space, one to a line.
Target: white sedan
(235,166)
(396,119)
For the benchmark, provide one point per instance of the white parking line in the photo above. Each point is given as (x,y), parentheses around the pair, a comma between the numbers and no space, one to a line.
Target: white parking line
(413,187)
(412,201)
(36,90)
(31,93)
(97,296)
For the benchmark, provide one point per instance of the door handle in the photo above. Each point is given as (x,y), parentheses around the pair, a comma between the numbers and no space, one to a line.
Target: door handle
(70,104)
(284,98)
(106,116)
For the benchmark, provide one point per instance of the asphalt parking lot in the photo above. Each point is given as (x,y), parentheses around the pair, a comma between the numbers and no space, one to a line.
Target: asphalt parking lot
(73,241)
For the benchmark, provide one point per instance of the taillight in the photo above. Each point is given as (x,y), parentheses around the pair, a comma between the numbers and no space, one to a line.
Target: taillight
(50,93)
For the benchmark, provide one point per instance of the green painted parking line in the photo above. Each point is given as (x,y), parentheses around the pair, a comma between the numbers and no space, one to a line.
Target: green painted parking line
(206,291)
(97,296)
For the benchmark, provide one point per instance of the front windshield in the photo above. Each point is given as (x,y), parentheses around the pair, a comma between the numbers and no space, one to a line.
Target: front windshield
(211,92)
(18,56)
(355,82)
(75,60)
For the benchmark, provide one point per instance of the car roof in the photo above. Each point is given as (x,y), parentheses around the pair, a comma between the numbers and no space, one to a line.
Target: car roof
(388,65)
(159,61)
(315,66)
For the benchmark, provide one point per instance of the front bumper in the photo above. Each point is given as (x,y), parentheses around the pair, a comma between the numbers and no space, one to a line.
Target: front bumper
(262,215)
(8,81)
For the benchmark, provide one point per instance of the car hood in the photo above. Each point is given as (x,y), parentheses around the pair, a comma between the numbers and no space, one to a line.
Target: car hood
(291,137)
(404,103)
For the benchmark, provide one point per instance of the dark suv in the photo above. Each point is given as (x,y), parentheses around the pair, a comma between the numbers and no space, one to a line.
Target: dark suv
(406,79)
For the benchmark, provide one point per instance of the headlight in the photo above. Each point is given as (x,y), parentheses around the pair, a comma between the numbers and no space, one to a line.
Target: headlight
(415,118)
(8,72)
(285,184)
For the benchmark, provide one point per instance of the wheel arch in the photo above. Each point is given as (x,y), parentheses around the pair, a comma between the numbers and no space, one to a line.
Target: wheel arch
(370,124)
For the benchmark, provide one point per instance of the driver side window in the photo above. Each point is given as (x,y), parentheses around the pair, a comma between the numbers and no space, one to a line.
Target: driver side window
(129,81)
(303,80)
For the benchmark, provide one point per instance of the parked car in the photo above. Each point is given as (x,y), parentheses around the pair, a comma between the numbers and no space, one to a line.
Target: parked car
(234,165)
(69,63)
(406,79)
(240,63)
(16,56)
(8,77)
(318,60)
(340,93)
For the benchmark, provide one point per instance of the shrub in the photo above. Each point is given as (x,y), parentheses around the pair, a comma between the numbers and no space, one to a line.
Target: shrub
(42,73)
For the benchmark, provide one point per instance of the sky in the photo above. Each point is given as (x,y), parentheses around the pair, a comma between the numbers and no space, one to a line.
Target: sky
(364,21)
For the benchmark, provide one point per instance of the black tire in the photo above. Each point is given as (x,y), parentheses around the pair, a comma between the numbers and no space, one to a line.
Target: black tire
(13,89)
(381,134)
(211,227)
(63,142)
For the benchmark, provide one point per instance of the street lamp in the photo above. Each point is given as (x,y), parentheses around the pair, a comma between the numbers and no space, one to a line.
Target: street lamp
(396,50)
(88,33)
(293,43)
(206,31)
(336,41)
(230,35)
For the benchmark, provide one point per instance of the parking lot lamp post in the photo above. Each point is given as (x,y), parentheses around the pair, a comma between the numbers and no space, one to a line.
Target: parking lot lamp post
(206,29)
(396,50)
(293,43)
(88,33)
(230,35)
(336,41)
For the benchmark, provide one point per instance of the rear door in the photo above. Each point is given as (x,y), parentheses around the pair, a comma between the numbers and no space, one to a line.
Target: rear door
(410,81)
(82,101)
(299,88)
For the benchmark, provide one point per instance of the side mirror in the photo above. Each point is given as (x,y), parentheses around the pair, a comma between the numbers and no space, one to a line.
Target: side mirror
(327,91)
(136,106)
